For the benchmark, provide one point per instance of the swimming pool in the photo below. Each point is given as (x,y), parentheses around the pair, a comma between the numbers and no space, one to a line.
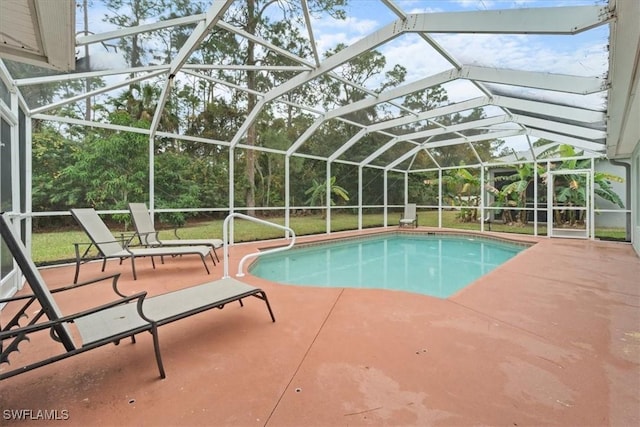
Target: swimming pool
(437,265)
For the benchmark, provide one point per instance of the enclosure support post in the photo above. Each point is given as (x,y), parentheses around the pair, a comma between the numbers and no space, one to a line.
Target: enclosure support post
(482,199)
(231,196)
(406,188)
(287,193)
(385,197)
(152,197)
(439,198)
(549,199)
(360,197)
(535,198)
(328,198)
(592,200)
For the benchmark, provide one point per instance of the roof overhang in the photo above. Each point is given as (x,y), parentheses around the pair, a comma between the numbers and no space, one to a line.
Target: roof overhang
(623,124)
(38,32)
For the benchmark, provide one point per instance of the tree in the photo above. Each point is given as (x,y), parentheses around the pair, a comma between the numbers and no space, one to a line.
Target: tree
(51,152)
(271,166)
(175,187)
(110,169)
(131,13)
(253,19)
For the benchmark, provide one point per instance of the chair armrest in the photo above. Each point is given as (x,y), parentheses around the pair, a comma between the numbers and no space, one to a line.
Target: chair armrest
(69,319)
(124,238)
(16,298)
(127,238)
(114,284)
(122,241)
(175,233)
(114,278)
(76,247)
(144,238)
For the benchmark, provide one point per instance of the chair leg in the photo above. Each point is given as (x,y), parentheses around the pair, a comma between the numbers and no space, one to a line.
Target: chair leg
(215,253)
(204,261)
(212,259)
(156,349)
(75,278)
(133,267)
(78,261)
(263,296)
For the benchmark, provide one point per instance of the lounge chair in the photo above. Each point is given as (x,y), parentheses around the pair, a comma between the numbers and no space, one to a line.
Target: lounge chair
(148,235)
(409,217)
(110,247)
(121,318)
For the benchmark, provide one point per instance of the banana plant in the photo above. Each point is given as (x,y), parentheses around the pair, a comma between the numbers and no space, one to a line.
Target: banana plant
(514,194)
(462,188)
(317,193)
(571,189)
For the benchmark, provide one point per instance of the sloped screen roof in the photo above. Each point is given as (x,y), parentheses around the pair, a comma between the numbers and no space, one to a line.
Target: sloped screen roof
(400,85)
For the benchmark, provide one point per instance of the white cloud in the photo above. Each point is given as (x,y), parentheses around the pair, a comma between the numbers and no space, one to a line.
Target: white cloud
(475,4)
(530,53)
(330,32)
(416,55)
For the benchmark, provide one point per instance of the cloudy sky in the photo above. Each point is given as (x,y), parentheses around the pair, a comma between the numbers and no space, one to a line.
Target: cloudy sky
(584,54)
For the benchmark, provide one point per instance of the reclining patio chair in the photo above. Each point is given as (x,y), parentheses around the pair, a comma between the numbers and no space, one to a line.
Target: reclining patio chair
(148,235)
(110,247)
(409,217)
(121,318)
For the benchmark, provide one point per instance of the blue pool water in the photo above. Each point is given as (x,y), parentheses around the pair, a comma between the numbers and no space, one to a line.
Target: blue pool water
(436,265)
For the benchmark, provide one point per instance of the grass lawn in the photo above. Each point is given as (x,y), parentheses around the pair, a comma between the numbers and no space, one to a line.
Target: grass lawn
(57,246)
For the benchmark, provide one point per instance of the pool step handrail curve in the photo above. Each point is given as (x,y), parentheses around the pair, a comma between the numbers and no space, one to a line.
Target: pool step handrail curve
(225,238)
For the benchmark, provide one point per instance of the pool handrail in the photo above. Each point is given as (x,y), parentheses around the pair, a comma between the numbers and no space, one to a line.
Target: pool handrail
(225,238)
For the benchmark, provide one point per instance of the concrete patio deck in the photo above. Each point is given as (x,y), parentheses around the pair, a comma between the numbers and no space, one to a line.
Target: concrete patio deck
(552,337)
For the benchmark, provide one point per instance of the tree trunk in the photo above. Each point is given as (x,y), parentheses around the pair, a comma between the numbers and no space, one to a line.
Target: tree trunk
(251,103)
(87,113)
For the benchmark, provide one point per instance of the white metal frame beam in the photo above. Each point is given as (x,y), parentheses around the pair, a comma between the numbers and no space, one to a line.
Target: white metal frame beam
(557,127)
(565,139)
(143,28)
(557,20)
(551,110)
(455,141)
(490,121)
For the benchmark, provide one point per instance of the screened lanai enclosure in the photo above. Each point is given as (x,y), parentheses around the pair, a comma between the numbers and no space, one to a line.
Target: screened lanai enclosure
(512,116)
